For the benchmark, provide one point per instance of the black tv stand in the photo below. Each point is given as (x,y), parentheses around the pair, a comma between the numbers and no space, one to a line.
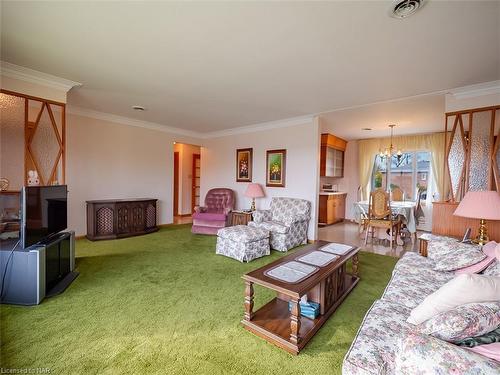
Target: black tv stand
(39,271)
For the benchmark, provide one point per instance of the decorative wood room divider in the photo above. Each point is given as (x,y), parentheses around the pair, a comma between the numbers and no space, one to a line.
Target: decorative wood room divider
(44,138)
(472,155)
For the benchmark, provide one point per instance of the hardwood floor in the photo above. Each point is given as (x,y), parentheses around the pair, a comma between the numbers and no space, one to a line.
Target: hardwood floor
(347,232)
(183,219)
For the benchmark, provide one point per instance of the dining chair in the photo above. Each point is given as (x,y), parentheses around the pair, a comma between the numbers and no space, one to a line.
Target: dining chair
(419,212)
(380,215)
(397,194)
(363,215)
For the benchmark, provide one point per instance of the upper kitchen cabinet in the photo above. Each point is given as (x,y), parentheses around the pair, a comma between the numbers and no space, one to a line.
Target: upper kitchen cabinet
(332,156)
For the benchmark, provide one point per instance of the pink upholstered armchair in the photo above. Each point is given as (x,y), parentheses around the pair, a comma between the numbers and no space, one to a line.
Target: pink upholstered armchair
(219,202)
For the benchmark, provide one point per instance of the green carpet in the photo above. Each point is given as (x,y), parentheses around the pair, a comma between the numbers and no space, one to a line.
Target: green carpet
(165,303)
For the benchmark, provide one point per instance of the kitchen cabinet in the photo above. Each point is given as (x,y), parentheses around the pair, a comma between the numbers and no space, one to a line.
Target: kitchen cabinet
(331,207)
(332,156)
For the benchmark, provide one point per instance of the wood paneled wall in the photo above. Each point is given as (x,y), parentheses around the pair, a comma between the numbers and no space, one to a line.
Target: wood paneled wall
(446,224)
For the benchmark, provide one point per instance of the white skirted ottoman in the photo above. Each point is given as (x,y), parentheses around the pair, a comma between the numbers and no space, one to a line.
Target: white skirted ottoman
(242,242)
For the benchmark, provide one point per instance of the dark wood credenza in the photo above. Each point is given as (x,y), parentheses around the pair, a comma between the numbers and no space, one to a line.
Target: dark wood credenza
(118,218)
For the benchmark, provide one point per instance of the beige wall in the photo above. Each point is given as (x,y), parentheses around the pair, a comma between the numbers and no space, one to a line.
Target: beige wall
(218,165)
(186,153)
(109,160)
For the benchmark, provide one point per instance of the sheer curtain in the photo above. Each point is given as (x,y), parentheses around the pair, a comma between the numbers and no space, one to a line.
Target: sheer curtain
(368,148)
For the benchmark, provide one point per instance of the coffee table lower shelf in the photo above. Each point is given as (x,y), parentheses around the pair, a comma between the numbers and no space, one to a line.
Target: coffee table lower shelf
(272,321)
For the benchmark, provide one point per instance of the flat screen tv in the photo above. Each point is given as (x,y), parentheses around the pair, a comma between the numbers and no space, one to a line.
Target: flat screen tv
(44,213)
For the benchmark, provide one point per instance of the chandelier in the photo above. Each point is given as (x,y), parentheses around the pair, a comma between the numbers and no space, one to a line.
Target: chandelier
(392,150)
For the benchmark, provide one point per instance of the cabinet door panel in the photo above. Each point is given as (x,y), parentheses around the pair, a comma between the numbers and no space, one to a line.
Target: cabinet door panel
(123,218)
(137,217)
(330,162)
(331,207)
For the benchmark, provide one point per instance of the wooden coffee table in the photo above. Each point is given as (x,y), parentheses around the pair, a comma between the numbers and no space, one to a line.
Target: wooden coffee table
(329,286)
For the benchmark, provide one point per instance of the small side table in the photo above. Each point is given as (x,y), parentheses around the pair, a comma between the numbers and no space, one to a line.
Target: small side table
(240,218)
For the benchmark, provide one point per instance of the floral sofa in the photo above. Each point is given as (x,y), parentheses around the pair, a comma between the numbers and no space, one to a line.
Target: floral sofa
(287,220)
(387,344)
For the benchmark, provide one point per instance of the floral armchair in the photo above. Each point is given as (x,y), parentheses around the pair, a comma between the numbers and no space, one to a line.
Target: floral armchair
(287,220)
(219,202)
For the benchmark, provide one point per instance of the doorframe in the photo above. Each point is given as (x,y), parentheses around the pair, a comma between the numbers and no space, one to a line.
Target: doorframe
(193,180)
(176,184)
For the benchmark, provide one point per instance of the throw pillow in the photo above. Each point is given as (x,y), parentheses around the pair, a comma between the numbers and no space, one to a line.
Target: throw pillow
(464,288)
(463,321)
(494,268)
(489,350)
(489,250)
(461,255)
(487,338)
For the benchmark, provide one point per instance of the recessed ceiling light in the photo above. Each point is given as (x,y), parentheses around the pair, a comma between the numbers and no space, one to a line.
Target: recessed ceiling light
(138,108)
(366,128)
(405,8)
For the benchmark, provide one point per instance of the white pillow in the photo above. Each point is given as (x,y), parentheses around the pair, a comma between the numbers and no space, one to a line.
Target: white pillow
(464,288)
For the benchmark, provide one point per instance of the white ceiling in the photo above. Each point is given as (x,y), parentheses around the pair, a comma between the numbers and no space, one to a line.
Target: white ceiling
(208,66)
(424,114)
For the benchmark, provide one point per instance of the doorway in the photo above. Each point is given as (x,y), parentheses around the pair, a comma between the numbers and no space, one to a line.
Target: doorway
(176,183)
(195,182)
(186,181)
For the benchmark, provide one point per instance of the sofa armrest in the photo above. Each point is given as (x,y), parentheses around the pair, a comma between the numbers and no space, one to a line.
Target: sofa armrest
(260,216)
(289,220)
(422,354)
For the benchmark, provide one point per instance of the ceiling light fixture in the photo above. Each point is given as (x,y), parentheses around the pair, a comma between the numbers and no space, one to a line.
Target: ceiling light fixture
(405,8)
(392,150)
(138,108)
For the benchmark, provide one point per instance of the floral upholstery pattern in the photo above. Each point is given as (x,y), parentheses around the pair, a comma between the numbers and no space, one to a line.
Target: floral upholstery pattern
(412,264)
(387,344)
(287,220)
(419,354)
(373,349)
(243,243)
(409,290)
(260,216)
(459,255)
(493,269)
(473,319)
(273,226)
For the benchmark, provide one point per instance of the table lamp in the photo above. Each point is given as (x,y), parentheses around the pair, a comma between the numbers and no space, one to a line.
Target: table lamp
(254,191)
(482,205)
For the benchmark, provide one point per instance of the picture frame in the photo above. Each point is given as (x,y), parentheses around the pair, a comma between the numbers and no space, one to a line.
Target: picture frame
(275,168)
(244,164)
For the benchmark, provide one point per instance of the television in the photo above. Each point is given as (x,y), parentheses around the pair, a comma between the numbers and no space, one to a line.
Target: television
(44,213)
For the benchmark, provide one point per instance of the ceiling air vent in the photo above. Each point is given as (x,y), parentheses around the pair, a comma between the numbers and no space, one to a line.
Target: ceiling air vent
(405,8)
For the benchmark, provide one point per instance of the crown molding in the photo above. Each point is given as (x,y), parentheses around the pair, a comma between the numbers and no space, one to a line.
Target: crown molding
(293,121)
(34,76)
(472,91)
(74,110)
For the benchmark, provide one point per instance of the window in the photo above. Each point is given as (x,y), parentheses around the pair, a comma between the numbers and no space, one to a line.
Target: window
(410,172)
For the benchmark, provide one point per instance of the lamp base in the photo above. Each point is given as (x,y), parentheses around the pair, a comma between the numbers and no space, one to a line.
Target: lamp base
(252,207)
(482,237)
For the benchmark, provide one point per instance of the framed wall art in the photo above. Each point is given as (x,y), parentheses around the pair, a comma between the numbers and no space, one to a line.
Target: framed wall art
(244,164)
(275,168)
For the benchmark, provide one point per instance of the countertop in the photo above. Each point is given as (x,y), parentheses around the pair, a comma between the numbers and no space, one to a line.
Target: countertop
(332,193)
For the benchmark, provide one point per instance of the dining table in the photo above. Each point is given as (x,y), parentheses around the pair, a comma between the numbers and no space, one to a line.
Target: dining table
(404,209)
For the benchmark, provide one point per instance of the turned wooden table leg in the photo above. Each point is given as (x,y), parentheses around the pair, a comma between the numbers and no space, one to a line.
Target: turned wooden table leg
(248,300)
(295,322)
(355,265)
